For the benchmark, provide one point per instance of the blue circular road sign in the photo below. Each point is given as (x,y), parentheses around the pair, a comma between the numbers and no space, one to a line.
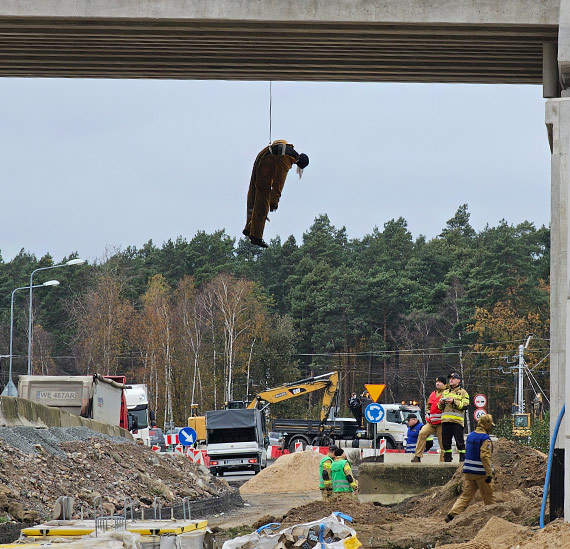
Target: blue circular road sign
(374,413)
(187,436)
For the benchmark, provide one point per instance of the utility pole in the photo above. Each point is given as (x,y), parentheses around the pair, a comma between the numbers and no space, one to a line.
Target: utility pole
(519,390)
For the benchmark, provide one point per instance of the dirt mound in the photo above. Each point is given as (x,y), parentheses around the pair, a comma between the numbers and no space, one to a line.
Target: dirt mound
(517,467)
(418,521)
(556,535)
(298,472)
(361,513)
(31,483)
(496,534)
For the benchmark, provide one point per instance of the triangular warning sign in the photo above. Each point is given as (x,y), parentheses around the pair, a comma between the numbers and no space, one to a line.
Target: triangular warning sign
(375,391)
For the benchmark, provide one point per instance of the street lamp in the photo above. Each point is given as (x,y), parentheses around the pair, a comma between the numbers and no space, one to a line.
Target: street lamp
(10,388)
(30,312)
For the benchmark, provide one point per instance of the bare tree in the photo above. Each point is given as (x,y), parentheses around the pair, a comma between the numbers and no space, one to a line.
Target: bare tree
(103,319)
(42,359)
(155,344)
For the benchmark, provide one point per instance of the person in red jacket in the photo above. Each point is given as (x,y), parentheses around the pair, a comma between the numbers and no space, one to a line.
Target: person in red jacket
(433,421)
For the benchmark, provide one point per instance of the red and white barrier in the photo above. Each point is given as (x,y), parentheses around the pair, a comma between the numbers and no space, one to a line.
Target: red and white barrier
(298,447)
(319,449)
(382,450)
(155,448)
(195,455)
(172,440)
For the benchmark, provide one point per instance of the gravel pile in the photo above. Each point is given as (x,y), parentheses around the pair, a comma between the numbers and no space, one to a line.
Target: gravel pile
(26,439)
(39,465)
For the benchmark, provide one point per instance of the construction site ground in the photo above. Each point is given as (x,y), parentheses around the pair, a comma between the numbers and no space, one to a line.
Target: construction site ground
(38,465)
(417,522)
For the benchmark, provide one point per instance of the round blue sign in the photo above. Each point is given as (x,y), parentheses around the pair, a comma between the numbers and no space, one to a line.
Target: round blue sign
(374,413)
(187,436)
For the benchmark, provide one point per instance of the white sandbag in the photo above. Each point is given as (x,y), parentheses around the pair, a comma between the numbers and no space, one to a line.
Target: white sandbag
(266,537)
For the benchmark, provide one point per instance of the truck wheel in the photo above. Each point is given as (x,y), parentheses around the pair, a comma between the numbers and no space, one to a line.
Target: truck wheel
(322,440)
(302,440)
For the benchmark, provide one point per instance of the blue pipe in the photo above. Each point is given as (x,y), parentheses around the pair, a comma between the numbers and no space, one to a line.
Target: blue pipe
(549,465)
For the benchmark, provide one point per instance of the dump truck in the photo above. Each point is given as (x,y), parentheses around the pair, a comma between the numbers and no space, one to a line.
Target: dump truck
(235,441)
(92,396)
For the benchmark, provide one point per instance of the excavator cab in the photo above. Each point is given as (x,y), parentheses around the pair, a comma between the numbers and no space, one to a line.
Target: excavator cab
(235,405)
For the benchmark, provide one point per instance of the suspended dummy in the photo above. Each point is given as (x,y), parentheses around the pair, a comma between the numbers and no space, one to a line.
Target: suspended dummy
(267,180)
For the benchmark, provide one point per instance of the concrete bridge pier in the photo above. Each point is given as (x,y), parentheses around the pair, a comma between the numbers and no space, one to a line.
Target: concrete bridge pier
(558,128)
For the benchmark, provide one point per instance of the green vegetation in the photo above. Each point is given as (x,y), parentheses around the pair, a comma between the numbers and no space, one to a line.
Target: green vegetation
(540,433)
(209,319)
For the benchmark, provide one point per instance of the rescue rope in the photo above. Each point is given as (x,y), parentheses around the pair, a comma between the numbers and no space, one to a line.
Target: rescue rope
(270,101)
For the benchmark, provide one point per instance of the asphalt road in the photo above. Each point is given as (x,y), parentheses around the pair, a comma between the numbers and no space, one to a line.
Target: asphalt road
(237,478)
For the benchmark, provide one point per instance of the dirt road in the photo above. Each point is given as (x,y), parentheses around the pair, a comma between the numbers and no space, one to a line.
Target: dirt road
(258,506)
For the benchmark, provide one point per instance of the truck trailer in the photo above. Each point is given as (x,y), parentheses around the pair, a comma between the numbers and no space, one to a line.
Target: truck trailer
(93,396)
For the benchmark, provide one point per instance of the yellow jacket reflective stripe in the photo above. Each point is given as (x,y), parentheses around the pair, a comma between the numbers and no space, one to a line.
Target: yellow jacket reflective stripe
(454,411)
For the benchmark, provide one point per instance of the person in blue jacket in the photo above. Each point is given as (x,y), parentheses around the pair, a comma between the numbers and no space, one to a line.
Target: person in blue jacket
(414,426)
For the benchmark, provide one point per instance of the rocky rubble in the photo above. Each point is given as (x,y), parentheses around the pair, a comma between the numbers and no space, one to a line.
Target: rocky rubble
(32,478)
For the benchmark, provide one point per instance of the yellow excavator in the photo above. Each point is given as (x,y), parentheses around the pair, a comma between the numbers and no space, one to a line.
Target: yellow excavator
(328,382)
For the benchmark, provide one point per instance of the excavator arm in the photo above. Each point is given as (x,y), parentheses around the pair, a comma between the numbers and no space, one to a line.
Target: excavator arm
(328,382)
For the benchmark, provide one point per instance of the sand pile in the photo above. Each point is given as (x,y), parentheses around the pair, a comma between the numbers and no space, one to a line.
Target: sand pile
(556,535)
(298,472)
(496,534)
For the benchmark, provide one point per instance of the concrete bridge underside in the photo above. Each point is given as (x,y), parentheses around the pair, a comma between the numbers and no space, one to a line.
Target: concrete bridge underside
(359,40)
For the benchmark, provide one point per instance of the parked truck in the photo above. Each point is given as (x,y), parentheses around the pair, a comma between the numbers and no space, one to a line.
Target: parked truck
(93,396)
(103,398)
(235,441)
(140,416)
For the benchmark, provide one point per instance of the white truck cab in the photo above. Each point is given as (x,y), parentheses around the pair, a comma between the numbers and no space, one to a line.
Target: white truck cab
(137,406)
(393,426)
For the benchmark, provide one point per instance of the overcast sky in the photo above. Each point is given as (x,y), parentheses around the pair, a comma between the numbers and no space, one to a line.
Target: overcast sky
(90,165)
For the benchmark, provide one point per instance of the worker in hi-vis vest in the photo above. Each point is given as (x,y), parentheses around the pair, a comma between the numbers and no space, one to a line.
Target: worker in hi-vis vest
(344,484)
(325,479)
(266,185)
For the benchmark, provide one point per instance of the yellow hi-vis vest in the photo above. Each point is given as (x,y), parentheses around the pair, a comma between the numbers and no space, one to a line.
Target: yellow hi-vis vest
(338,474)
(326,463)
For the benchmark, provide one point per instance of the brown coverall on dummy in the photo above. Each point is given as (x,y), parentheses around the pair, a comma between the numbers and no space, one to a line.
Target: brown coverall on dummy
(265,187)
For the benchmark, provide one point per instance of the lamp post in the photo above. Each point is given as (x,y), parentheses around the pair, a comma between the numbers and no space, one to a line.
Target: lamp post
(10,389)
(30,312)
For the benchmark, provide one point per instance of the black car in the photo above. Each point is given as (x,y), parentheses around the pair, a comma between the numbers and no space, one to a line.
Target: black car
(157,438)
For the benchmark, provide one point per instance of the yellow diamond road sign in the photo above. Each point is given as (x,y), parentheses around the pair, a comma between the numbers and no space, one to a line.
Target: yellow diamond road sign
(375,391)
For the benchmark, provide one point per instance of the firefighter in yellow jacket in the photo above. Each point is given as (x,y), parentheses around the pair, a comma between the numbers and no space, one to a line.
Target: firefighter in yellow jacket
(266,185)
(453,403)
(477,469)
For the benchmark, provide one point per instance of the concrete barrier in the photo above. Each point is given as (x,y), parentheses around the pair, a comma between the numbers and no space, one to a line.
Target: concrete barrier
(391,483)
(16,412)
